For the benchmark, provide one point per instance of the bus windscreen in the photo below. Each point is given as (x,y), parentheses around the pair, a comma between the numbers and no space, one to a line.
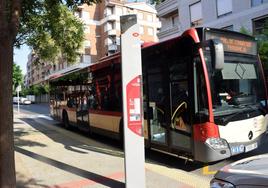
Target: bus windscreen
(233,42)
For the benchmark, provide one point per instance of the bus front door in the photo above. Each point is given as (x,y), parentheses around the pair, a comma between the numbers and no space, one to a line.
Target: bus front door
(157,120)
(180,129)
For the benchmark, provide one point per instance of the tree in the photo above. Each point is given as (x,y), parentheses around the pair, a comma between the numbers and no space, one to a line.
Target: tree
(263,46)
(17,25)
(17,77)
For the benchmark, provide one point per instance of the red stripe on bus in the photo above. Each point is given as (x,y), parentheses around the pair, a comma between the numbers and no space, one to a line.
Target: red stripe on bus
(205,130)
(109,113)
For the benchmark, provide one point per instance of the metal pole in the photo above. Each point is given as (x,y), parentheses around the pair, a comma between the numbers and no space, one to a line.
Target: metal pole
(18,97)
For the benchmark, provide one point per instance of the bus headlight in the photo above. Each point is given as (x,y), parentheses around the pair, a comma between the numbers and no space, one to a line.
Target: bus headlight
(215,183)
(217,143)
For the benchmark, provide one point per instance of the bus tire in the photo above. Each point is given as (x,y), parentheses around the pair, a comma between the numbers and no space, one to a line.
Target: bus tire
(65,120)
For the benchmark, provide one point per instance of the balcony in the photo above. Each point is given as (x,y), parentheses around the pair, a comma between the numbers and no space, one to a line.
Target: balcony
(112,48)
(112,32)
(168,32)
(85,59)
(113,2)
(166,7)
(112,17)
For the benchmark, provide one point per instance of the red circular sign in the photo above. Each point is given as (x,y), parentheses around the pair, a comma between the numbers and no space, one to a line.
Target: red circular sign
(135,34)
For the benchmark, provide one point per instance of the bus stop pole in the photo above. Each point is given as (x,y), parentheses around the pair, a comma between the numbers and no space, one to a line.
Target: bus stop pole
(132,102)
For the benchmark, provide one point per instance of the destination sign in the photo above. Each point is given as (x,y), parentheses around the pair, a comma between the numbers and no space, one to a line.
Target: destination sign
(233,42)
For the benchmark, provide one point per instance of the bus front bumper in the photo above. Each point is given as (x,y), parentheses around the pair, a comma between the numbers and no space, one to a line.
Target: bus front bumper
(205,153)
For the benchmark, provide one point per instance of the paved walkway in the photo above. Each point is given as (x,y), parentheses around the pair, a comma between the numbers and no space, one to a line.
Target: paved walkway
(49,156)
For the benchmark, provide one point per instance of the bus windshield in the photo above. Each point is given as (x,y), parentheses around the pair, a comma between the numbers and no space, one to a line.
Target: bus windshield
(238,86)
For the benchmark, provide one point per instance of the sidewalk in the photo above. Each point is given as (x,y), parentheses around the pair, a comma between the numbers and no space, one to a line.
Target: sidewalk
(49,156)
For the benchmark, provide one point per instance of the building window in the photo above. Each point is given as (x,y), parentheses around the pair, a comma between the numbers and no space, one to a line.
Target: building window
(229,28)
(141,30)
(175,20)
(224,7)
(109,26)
(149,18)
(140,16)
(196,14)
(150,31)
(258,25)
(86,44)
(108,11)
(258,2)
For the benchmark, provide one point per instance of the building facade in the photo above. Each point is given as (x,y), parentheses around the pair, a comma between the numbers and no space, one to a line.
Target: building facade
(102,25)
(36,73)
(226,14)
(102,36)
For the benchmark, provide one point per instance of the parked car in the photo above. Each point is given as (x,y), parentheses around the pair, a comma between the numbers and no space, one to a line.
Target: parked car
(246,173)
(22,100)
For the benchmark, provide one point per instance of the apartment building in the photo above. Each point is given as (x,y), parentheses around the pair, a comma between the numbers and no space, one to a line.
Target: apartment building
(103,25)
(36,73)
(226,14)
(102,35)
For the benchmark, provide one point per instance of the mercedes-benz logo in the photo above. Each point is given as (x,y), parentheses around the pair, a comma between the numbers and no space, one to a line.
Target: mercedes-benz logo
(250,135)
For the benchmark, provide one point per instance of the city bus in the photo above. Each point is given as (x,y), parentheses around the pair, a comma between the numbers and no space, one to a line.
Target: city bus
(204,96)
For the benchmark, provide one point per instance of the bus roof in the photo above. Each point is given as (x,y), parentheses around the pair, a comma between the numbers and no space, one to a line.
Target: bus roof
(106,61)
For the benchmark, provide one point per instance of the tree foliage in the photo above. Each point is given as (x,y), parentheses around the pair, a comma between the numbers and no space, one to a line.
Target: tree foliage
(17,76)
(263,45)
(51,29)
(35,90)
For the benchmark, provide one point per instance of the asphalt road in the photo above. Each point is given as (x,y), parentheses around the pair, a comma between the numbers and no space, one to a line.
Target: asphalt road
(169,163)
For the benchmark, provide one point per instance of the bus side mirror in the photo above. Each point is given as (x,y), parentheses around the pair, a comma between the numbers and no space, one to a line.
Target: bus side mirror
(217,54)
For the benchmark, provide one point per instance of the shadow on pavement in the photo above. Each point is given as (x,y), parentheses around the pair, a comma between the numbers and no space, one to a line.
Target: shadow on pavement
(152,157)
(23,182)
(70,143)
(19,141)
(82,173)
(170,161)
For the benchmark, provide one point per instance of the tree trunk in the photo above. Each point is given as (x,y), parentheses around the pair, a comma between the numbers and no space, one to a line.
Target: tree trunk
(7,162)
(9,22)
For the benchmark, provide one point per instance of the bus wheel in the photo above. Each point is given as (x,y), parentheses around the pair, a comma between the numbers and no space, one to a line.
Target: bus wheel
(65,120)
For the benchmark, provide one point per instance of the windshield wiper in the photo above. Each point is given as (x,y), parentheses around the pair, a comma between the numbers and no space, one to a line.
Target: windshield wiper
(225,120)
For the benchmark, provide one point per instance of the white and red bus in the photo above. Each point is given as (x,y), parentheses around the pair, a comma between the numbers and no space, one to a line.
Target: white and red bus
(204,95)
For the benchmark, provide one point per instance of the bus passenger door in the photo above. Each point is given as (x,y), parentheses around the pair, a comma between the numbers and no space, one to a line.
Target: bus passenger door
(180,128)
(157,94)
(82,113)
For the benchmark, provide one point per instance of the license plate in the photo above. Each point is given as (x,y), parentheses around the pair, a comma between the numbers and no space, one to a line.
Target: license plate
(251,147)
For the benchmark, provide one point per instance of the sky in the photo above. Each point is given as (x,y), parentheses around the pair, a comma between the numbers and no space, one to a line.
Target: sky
(21,57)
